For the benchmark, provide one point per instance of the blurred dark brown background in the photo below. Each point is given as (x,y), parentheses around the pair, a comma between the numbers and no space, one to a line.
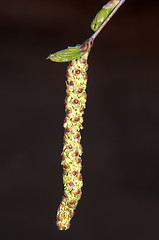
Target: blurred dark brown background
(120,139)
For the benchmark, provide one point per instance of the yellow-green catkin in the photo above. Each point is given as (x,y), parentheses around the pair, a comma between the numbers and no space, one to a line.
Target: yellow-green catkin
(75,103)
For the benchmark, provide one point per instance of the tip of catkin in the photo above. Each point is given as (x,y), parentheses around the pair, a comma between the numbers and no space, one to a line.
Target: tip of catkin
(64,215)
(63,219)
(61,226)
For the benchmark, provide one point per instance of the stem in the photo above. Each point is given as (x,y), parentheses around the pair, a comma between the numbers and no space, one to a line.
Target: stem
(106,21)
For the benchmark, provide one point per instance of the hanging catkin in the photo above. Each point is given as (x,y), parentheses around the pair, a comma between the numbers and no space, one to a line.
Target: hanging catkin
(74,106)
(75,103)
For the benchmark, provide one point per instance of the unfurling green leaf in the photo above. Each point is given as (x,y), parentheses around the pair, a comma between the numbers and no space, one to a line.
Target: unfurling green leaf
(102,15)
(66,55)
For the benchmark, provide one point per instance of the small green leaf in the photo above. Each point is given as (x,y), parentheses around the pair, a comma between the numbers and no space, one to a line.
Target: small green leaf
(102,15)
(66,55)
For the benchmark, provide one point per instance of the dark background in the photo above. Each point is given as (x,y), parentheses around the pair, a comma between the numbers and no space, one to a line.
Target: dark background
(120,138)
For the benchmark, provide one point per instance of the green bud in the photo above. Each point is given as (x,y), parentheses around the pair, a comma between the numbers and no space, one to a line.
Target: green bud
(66,55)
(102,15)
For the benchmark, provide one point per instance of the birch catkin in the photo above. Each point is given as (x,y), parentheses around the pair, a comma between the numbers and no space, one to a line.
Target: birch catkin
(75,103)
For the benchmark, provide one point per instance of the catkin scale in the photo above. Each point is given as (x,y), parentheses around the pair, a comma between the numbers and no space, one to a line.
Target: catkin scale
(75,103)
